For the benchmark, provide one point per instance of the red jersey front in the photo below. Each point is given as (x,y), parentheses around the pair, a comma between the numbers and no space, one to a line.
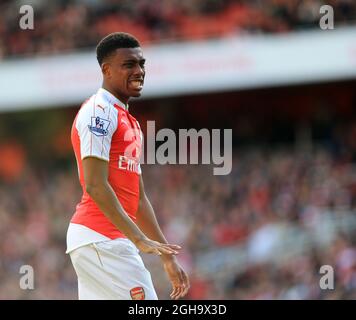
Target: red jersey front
(103,128)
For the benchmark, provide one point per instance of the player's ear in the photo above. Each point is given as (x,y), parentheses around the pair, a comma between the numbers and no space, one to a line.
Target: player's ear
(105,69)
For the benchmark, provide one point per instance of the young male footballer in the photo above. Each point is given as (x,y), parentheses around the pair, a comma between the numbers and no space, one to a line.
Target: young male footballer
(114,219)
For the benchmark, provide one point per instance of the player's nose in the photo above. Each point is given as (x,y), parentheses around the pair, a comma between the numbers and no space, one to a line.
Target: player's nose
(139,71)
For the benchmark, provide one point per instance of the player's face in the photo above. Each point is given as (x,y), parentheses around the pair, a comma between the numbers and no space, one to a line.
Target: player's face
(126,72)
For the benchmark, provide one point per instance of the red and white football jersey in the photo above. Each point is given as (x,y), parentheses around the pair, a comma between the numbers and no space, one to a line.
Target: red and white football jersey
(103,128)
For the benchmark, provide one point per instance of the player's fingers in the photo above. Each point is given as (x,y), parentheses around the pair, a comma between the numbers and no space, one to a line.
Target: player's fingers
(180,286)
(177,284)
(173,246)
(167,250)
(186,284)
(161,250)
(184,290)
(178,293)
(181,293)
(174,292)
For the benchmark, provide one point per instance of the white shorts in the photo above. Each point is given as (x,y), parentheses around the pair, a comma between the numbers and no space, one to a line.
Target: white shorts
(112,270)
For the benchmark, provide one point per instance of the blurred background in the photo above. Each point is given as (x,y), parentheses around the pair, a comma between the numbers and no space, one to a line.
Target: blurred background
(264,69)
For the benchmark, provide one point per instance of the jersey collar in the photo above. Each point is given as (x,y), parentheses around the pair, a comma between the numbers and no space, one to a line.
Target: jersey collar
(108,96)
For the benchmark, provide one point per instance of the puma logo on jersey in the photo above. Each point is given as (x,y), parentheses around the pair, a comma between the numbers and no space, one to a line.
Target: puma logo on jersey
(102,108)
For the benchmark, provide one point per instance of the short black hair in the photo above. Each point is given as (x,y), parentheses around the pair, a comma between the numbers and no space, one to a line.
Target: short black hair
(114,41)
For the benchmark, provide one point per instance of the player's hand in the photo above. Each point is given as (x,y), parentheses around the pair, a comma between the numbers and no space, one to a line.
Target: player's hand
(178,278)
(150,246)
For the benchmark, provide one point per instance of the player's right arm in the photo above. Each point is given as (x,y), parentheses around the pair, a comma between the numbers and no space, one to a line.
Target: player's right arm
(97,186)
(96,125)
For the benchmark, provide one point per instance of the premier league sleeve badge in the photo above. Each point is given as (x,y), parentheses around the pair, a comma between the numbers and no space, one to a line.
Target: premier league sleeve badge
(99,126)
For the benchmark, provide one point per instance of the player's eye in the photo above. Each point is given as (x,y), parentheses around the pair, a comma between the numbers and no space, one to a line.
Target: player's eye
(128,65)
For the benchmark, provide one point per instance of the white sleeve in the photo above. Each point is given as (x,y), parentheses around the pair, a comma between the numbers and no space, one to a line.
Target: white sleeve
(96,125)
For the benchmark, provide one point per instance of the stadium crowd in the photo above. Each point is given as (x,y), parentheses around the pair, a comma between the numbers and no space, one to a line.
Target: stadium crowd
(247,210)
(66,25)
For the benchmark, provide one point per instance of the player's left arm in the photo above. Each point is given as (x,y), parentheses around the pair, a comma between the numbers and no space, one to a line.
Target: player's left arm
(147,222)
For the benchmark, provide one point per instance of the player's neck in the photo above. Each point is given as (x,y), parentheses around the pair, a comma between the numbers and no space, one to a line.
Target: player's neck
(112,91)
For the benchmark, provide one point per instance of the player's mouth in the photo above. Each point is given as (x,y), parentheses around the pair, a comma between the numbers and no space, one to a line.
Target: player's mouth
(136,84)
